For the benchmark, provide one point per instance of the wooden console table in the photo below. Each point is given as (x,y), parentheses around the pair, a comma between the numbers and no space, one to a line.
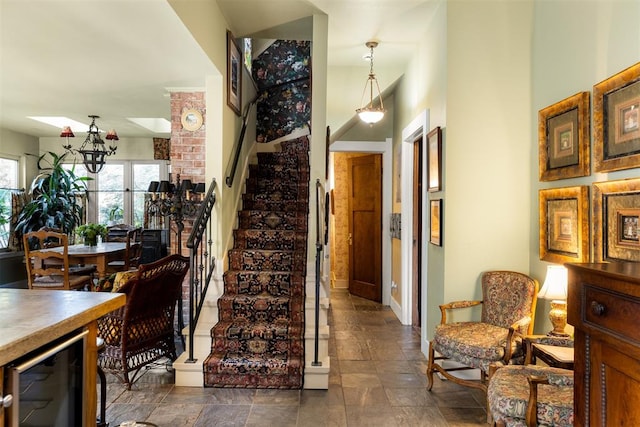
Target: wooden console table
(604,307)
(35,318)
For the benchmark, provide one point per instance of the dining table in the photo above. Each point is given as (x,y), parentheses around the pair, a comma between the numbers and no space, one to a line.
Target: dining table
(100,255)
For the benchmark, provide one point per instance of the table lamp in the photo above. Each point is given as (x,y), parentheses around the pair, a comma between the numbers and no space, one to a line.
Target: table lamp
(555,289)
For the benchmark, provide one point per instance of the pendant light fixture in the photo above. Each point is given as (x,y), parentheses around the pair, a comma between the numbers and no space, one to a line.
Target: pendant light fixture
(93,148)
(371,113)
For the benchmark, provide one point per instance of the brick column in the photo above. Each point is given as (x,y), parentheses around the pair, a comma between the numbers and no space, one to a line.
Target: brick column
(187,151)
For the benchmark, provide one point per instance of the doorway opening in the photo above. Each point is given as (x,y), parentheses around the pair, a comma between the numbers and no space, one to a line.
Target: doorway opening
(340,152)
(416,254)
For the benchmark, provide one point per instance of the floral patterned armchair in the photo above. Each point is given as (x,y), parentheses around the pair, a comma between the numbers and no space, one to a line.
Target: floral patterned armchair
(508,309)
(531,395)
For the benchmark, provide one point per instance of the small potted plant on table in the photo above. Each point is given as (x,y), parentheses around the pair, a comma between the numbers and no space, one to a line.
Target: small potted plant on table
(90,232)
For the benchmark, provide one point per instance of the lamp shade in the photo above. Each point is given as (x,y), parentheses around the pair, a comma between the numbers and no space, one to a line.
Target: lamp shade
(555,284)
(164,187)
(112,135)
(67,132)
(185,185)
(199,188)
(153,187)
(370,116)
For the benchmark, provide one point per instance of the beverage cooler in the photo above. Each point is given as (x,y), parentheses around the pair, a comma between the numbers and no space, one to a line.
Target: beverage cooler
(46,387)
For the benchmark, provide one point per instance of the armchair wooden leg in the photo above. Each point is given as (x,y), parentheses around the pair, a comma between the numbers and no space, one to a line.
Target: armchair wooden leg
(532,406)
(430,368)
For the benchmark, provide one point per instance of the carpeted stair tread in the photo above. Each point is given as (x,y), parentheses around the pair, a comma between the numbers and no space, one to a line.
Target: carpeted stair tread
(249,203)
(264,370)
(269,239)
(276,283)
(237,329)
(259,260)
(273,220)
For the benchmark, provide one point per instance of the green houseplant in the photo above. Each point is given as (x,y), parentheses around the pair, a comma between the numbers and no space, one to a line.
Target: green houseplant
(90,232)
(54,198)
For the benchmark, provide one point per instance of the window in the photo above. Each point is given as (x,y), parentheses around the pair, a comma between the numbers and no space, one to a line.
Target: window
(8,184)
(116,194)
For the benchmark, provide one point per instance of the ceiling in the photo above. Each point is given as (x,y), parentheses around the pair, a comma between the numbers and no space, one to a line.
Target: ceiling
(118,59)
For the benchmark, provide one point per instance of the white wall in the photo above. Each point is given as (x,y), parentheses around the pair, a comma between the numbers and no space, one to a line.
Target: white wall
(24,148)
(572,51)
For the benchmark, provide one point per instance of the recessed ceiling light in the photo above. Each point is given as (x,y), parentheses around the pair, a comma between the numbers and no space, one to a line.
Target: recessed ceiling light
(157,125)
(61,122)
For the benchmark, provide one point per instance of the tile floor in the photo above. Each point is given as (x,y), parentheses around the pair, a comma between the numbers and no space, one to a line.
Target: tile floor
(377,379)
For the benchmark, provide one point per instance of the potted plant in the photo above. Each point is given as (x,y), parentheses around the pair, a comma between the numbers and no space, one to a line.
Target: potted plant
(90,232)
(54,202)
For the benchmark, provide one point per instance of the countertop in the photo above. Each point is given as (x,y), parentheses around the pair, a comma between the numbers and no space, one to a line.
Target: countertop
(33,318)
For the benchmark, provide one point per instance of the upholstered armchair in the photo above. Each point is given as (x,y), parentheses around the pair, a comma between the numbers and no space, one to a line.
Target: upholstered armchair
(531,395)
(508,309)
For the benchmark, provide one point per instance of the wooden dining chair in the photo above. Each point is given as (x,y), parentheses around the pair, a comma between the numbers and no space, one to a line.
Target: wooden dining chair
(47,261)
(132,236)
(75,269)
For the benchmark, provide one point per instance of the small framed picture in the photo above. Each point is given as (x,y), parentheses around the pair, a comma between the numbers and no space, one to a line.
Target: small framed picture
(434,159)
(616,121)
(234,74)
(564,224)
(616,209)
(564,139)
(435,236)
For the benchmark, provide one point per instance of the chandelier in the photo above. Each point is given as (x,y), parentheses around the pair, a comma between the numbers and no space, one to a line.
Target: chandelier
(369,113)
(93,149)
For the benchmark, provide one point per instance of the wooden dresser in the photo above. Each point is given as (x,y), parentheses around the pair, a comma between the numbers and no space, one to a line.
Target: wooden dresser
(603,305)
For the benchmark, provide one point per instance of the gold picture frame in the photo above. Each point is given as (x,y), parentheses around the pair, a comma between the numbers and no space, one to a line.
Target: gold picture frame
(235,63)
(564,139)
(616,121)
(564,224)
(435,234)
(434,160)
(616,211)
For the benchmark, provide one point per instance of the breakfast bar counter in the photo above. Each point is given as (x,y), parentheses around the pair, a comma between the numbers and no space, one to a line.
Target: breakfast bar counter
(34,318)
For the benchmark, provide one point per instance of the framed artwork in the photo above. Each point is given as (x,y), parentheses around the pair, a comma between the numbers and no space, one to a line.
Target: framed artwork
(564,139)
(616,121)
(434,159)
(616,210)
(564,224)
(435,235)
(234,74)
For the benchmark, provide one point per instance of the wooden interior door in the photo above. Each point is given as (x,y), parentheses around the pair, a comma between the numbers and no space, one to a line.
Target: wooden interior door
(365,226)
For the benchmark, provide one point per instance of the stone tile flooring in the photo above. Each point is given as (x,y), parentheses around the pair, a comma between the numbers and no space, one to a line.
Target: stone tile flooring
(377,378)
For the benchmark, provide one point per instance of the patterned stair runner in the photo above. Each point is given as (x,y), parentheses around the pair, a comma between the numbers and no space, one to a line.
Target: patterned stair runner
(258,341)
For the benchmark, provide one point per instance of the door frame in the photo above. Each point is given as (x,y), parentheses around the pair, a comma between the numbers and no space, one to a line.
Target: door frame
(418,126)
(386,149)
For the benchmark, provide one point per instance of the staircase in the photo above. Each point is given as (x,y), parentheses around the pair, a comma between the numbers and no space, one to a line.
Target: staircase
(258,341)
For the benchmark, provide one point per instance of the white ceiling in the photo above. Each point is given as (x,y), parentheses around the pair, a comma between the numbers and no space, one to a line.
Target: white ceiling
(117,58)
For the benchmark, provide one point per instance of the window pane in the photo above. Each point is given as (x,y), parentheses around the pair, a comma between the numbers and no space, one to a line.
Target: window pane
(111,194)
(143,173)
(8,182)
